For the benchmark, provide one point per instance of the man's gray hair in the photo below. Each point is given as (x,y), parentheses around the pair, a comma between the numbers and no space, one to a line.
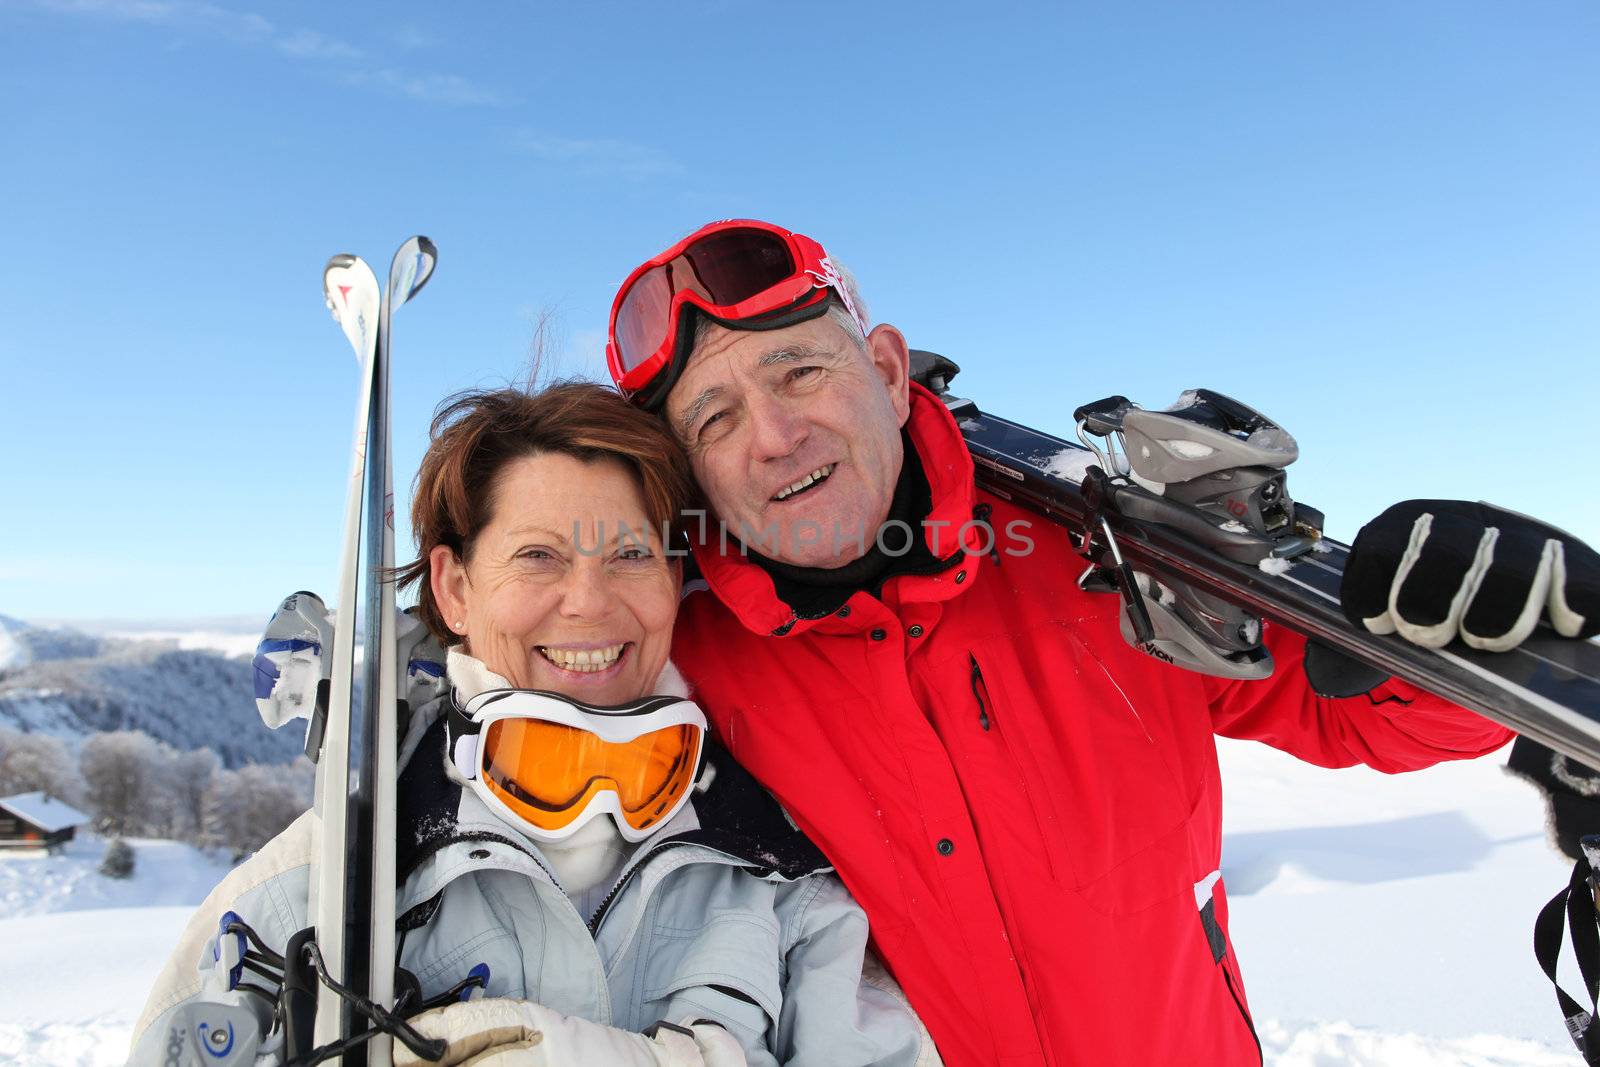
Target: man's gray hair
(837,311)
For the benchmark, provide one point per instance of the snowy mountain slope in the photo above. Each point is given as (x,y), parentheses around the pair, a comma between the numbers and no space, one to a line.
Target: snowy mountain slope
(231,635)
(13,653)
(22,643)
(70,684)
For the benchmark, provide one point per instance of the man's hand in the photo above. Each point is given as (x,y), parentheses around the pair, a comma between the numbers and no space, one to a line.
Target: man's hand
(1433,570)
(498,1032)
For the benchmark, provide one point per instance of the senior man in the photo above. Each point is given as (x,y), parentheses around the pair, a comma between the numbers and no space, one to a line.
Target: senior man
(1029,809)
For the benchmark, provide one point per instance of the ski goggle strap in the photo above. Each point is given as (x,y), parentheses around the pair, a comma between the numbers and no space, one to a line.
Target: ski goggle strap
(552,763)
(740,272)
(1576,904)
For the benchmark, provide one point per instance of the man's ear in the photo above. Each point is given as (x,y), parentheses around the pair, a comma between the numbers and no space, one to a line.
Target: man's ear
(891,358)
(447,577)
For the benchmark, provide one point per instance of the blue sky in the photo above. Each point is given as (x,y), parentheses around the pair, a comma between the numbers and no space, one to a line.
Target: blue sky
(1377,222)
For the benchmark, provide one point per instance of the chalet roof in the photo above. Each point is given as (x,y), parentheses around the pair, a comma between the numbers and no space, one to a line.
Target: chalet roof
(47,813)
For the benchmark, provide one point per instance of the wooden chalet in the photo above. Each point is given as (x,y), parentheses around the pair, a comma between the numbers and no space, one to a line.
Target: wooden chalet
(35,820)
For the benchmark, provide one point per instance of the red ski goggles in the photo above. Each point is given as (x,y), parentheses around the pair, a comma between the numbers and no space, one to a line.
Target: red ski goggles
(740,272)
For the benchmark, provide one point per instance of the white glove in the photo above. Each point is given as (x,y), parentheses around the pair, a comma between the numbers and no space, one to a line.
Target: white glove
(498,1032)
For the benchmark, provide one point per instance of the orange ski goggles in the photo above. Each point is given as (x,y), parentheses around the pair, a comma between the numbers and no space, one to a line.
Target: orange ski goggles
(550,764)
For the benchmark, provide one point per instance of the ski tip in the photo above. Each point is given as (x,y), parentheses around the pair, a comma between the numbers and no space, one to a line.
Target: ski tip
(412,267)
(350,290)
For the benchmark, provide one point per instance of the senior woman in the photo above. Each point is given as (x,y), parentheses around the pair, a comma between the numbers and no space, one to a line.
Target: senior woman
(573,848)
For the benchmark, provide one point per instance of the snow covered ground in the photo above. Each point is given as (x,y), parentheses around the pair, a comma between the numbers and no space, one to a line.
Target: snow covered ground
(78,951)
(1381,922)
(1388,919)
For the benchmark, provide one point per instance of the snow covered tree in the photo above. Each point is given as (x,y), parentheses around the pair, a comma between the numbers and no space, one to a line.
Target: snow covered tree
(36,762)
(193,772)
(248,807)
(119,769)
(159,812)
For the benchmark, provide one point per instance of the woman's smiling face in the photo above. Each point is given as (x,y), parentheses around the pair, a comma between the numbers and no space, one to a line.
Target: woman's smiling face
(567,588)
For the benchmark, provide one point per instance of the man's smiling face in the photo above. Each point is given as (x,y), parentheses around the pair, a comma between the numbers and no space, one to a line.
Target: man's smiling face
(794,434)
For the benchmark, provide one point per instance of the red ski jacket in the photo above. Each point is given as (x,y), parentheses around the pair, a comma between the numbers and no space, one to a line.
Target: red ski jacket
(1029,810)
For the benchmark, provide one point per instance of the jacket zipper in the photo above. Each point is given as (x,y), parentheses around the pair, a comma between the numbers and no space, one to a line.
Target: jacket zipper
(626,877)
(639,862)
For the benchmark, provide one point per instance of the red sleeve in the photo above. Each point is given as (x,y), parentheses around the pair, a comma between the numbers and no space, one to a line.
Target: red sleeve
(1396,727)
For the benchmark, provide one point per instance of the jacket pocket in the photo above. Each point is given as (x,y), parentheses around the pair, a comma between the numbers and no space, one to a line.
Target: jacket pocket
(1217,942)
(726,971)
(992,718)
(1106,789)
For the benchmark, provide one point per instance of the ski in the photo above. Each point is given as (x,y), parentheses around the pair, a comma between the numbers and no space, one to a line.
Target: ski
(376,799)
(1267,559)
(338,995)
(352,294)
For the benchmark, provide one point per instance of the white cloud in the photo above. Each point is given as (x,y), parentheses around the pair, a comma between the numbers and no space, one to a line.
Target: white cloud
(434,88)
(598,155)
(185,14)
(207,19)
(408,38)
(309,44)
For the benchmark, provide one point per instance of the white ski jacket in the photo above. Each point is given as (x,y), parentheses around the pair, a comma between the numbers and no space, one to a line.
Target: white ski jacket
(728,916)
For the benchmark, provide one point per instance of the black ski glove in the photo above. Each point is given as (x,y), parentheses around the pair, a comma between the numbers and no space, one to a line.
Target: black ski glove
(1436,569)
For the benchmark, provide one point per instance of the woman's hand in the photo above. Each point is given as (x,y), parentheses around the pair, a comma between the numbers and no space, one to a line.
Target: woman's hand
(499,1032)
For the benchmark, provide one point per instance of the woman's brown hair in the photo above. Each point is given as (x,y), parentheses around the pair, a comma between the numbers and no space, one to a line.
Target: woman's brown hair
(476,433)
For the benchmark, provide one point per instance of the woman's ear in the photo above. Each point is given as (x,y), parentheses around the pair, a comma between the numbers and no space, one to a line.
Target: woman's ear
(447,577)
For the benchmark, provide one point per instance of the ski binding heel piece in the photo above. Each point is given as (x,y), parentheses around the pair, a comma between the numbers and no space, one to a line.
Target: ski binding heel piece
(1196,632)
(1210,469)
